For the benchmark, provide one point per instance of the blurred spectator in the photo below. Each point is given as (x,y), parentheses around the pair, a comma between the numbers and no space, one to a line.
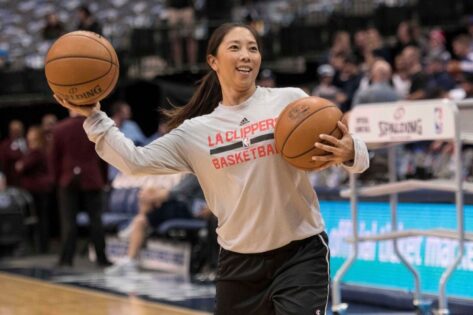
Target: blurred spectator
(87,21)
(401,80)
(3,58)
(436,46)
(466,85)
(360,45)
(380,90)
(325,88)
(418,78)
(35,178)
(341,45)
(121,114)
(48,122)
(181,25)
(157,205)
(376,47)
(439,81)
(348,80)
(11,150)
(404,38)
(160,131)
(80,175)
(12,215)
(53,27)
(463,55)
(266,78)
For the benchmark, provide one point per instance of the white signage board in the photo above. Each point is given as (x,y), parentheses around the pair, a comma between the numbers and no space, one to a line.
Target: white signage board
(404,121)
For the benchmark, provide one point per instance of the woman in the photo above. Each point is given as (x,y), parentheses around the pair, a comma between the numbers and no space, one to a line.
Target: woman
(274,257)
(35,177)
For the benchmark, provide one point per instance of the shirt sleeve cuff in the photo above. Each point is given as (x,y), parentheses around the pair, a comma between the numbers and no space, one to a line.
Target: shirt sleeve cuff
(361,160)
(97,124)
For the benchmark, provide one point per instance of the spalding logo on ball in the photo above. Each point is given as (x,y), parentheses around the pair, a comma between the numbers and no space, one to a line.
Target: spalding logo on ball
(298,129)
(82,67)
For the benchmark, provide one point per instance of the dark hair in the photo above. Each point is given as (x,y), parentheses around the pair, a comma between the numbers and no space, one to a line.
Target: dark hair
(208,93)
(84,9)
(117,107)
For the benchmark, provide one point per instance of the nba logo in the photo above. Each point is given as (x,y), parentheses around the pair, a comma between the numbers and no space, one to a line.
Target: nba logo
(438,119)
(246,142)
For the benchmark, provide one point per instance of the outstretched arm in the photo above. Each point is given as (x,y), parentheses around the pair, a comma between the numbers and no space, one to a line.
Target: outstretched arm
(165,155)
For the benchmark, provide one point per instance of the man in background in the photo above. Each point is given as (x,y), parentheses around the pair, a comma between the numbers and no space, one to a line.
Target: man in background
(11,150)
(80,177)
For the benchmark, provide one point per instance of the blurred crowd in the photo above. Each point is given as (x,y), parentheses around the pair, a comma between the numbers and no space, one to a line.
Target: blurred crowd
(55,164)
(417,64)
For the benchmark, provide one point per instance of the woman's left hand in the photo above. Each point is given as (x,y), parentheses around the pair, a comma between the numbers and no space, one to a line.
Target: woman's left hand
(339,150)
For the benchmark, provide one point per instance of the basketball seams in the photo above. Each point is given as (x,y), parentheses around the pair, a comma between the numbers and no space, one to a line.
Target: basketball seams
(92,38)
(301,154)
(85,82)
(305,118)
(81,57)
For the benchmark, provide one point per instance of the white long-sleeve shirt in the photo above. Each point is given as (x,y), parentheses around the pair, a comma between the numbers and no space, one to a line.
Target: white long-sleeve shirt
(260,200)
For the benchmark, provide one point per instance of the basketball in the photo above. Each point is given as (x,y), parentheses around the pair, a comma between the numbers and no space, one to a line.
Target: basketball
(82,67)
(299,126)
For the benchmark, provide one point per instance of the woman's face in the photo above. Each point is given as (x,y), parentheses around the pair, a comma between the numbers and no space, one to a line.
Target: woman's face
(238,60)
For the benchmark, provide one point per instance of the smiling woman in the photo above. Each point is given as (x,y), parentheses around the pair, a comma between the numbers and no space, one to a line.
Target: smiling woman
(274,256)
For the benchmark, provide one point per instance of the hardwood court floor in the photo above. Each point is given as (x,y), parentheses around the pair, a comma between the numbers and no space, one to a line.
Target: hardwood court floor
(26,296)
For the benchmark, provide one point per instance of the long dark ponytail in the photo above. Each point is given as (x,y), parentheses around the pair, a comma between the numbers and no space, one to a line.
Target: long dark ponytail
(208,93)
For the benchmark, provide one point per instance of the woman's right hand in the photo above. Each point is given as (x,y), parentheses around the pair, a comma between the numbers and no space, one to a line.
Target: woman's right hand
(83,110)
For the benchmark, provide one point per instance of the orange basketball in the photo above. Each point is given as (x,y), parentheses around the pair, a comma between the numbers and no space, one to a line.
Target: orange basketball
(82,67)
(299,126)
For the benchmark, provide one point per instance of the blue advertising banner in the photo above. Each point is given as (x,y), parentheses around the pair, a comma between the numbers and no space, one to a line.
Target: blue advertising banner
(377,265)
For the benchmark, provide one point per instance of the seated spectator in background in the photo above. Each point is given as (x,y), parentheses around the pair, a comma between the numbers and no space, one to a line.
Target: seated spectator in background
(53,27)
(341,45)
(360,46)
(375,48)
(466,86)
(35,178)
(440,82)
(348,80)
(160,131)
(463,55)
(436,46)
(11,203)
(87,21)
(419,79)
(157,205)
(121,115)
(266,78)
(11,150)
(400,78)
(404,38)
(380,90)
(326,89)
(3,58)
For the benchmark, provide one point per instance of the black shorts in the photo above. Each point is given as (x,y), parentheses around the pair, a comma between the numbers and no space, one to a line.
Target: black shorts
(291,280)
